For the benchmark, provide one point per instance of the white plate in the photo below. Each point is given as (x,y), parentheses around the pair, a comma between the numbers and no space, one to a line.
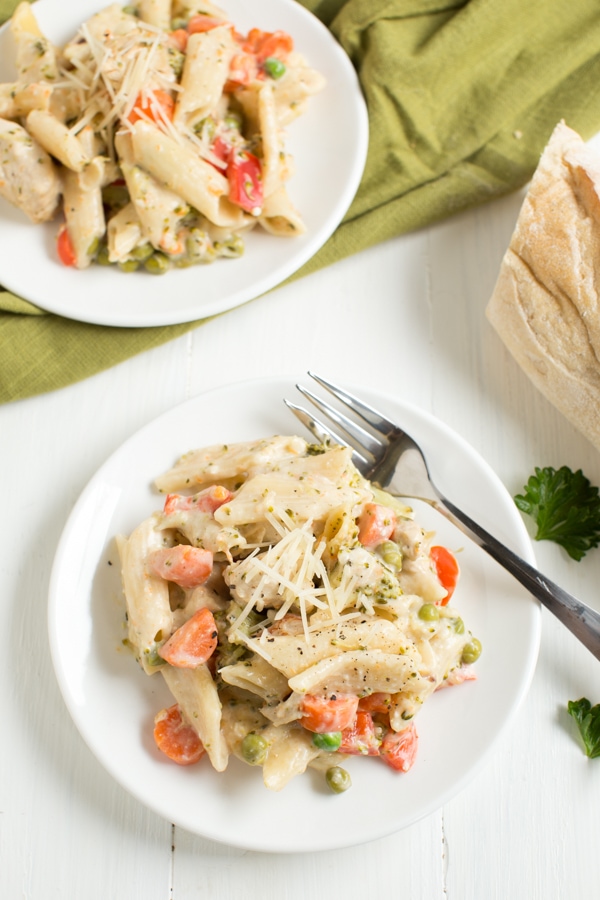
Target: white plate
(329,146)
(113,703)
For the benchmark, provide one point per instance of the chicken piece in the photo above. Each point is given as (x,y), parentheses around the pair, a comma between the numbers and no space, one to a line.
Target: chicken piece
(28,177)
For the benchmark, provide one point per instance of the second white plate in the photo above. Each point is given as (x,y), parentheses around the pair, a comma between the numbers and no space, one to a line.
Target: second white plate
(113,703)
(328,144)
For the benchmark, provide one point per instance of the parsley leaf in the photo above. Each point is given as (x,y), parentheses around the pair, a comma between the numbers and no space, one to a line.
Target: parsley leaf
(588,722)
(565,507)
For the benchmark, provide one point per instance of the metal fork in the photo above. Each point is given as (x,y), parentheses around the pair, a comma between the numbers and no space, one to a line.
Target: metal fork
(388,456)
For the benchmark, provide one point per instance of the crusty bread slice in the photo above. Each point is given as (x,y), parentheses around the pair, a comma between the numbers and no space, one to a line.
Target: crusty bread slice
(546,303)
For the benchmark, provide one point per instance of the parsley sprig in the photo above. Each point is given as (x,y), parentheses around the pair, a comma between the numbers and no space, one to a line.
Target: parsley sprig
(588,722)
(565,507)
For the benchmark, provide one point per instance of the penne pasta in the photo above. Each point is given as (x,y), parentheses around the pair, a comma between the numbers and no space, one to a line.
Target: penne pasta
(219,464)
(35,55)
(204,75)
(57,140)
(272,147)
(165,106)
(185,9)
(84,216)
(348,672)
(279,216)
(293,90)
(290,752)
(197,696)
(155,12)
(314,650)
(149,615)
(159,210)
(17,100)
(8,107)
(179,169)
(124,234)
(258,677)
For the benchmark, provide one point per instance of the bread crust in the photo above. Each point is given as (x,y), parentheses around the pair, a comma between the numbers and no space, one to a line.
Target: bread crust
(546,303)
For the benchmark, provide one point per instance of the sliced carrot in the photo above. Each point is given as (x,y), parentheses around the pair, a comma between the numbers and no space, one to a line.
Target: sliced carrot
(376,524)
(208,500)
(153,105)
(184,565)
(176,738)
(399,748)
(378,703)
(360,739)
(264,44)
(212,498)
(278,44)
(200,23)
(179,39)
(177,503)
(322,715)
(64,247)
(243,69)
(447,570)
(252,40)
(193,643)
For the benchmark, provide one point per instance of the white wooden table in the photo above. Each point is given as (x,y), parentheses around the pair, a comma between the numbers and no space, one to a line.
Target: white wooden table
(527,826)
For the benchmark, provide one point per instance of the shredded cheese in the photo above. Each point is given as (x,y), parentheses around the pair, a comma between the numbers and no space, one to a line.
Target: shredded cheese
(291,573)
(110,75)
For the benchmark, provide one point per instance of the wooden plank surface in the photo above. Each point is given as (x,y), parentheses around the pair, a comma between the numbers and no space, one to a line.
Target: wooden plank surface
(407,318)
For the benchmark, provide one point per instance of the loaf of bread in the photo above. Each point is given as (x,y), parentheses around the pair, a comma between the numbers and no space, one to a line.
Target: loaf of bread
(546,303)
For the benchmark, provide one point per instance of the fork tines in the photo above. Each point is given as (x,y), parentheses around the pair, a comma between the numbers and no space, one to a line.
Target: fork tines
(380,425)
(366,445)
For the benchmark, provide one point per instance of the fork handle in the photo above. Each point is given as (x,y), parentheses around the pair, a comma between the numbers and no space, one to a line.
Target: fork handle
(580,619)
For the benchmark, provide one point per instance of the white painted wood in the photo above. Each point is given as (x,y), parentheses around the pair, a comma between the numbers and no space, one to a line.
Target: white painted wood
(406,317)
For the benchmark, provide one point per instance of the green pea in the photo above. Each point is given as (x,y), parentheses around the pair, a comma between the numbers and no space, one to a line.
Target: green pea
(153,657)
(274,67)
(178,23)
(391,554)
(128,265)
(254,749)
(338,779)
(429,612)
(459,625)
(471,651)
(130,10)
(143,252)
(102,256)
(157,264)
(233,120)
(115,196)
(206,127)
(331,740)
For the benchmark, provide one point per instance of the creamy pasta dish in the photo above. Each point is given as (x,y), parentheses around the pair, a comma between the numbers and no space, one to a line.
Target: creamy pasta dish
(297,614)
(156,133)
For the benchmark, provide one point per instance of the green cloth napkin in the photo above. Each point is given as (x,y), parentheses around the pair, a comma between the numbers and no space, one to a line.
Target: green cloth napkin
(462,97)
